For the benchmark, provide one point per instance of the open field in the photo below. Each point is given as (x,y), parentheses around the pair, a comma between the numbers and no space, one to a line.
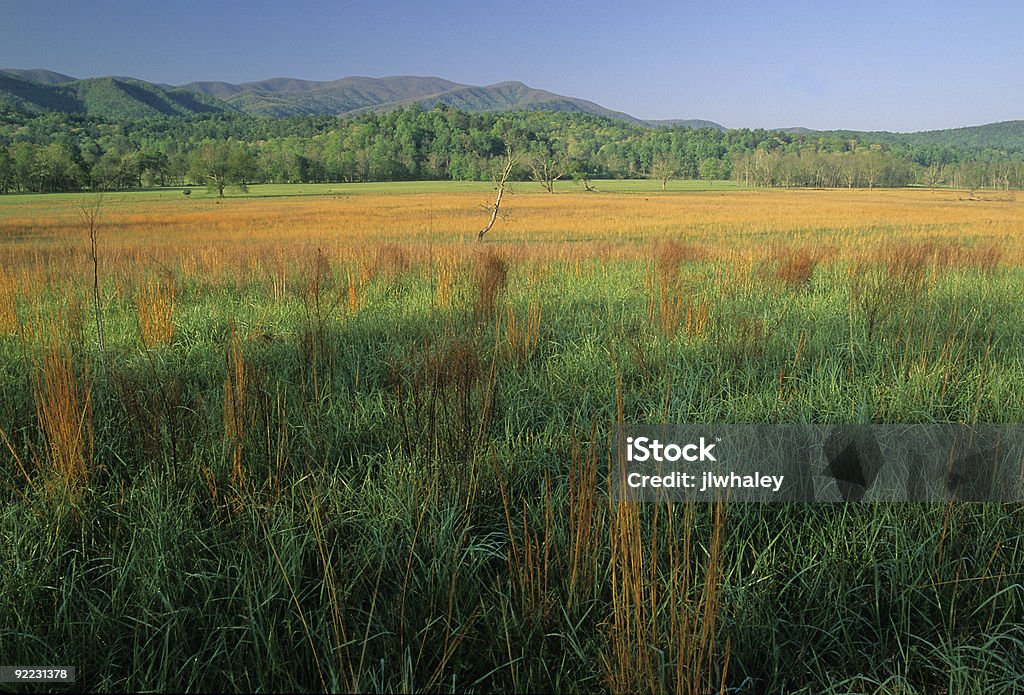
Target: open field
(326,441)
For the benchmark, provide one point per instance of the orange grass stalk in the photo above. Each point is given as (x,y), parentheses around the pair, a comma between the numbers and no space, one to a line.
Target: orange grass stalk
(796,266)
(446,274)
(64,409)
(529,558)
(279,282)
(8,298)
(671,313)
(521,335)
(355,288)
(154,306)
(663,612)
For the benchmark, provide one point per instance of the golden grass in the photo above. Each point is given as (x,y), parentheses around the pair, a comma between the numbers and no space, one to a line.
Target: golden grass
(447,274)
(154,306)
(388,233)
(354,290)
(519,336)
(64,409)
(673,312)
(665,587)
(795,266)
(643,640)
(8,304)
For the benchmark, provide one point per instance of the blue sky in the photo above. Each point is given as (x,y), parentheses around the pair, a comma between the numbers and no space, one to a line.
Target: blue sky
(862,65)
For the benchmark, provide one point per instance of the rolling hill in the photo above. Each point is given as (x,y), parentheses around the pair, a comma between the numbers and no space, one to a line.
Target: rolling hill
(38,75)
(1005,135)
(104,97)
(684,123)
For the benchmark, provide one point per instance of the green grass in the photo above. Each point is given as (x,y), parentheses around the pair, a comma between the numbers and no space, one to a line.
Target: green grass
(368,546)
(12,202)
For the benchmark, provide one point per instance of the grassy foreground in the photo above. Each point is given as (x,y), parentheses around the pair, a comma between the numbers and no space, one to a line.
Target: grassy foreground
(328,444)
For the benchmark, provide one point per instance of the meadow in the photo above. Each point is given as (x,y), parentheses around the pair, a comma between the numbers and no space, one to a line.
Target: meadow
(318,438)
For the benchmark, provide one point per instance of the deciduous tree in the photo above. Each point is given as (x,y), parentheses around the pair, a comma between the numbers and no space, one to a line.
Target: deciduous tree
(664,167)
(223,164)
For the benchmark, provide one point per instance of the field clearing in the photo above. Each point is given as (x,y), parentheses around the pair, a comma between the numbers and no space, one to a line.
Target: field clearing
(608,224)
(330,434)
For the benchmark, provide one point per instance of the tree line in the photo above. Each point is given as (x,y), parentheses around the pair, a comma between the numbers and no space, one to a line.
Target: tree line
(58,152)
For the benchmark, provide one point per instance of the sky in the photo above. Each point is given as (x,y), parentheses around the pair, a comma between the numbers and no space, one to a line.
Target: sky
(895,65)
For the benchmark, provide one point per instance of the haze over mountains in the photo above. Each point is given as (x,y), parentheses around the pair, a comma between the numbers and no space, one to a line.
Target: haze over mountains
(40,90)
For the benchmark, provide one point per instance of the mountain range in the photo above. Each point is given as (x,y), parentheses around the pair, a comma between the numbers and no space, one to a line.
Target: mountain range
(124,97)
(40,91)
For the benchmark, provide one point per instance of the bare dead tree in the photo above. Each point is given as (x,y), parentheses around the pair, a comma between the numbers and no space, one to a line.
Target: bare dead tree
(499,183)
(545,169)
(91,217)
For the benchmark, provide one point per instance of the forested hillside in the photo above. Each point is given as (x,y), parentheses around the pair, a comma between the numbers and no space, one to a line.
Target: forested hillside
(43,151)
(110,98)
(1006,135)
(281,97)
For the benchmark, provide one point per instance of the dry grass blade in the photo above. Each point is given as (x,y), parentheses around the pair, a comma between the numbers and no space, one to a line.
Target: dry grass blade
(520,336)
(447,271)
(154,307)
(8,304)
(796,266)
(64,409)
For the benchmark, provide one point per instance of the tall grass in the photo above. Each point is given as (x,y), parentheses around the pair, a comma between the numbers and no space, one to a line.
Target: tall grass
(491,278)
(64,410)
(236,410)
(154,306)
(8,304)
(519,336)
(365,457)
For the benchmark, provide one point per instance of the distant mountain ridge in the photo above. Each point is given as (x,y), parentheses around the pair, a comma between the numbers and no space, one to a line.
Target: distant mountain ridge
(509,96)
(103,97)
(123,97)
(39,75)
(338,96)
(39,91)
(352,95)
(684,122)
